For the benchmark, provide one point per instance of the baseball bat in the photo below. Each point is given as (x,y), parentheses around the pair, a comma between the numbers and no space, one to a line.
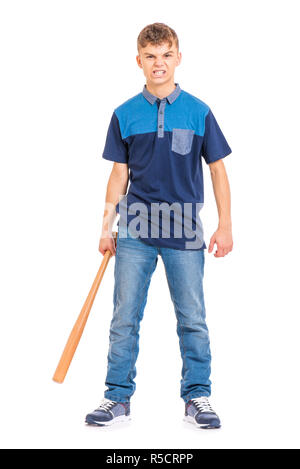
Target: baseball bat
(76,333)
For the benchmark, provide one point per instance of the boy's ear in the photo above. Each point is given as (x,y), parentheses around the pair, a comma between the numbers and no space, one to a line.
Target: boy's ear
(179,57)
(139,61)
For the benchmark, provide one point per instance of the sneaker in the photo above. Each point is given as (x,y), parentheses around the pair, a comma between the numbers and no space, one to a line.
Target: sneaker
(199,412)
(109,412)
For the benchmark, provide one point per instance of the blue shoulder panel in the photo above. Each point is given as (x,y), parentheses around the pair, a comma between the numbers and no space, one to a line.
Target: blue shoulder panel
(176,115)
(138,116)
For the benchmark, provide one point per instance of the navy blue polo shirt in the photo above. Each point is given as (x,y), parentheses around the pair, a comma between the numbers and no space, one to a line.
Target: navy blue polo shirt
(163,142)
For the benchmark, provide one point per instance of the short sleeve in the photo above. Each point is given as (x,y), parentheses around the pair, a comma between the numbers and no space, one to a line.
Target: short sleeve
(115,148)
(214,144)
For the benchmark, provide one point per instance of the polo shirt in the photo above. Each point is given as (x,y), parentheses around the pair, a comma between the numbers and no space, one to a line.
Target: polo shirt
(163,141)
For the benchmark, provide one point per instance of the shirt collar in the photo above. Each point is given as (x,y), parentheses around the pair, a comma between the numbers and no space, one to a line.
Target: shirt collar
(171,98)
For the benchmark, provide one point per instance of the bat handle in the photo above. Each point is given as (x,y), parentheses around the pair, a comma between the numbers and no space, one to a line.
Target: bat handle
(115,236)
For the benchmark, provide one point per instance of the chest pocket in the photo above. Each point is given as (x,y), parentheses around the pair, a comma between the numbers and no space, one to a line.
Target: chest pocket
(182,140)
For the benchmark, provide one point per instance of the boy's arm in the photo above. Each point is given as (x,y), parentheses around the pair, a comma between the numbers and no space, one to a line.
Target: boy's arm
(223,235)
(116,188)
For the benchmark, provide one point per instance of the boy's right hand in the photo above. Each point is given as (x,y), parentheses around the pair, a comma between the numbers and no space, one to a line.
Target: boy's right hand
(107,243)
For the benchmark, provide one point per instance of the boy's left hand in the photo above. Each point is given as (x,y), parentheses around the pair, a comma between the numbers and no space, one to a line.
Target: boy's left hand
(223,239)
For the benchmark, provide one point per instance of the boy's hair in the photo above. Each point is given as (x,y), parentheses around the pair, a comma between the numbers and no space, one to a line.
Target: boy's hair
(156,34)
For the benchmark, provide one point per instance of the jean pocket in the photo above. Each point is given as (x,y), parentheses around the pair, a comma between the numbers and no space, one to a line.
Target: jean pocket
(182,140)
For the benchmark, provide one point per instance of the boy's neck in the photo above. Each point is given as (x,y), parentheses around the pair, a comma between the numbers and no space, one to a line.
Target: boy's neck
(161,90)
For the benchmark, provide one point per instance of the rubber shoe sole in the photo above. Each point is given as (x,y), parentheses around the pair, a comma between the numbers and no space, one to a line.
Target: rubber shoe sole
(190,419)
(121,418)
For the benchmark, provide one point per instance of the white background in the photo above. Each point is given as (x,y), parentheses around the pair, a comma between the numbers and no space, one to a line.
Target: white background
(65,65)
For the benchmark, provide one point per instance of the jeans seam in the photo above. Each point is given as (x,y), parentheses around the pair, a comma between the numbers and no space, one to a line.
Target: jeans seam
(180,326)
(184,349)
(137,320)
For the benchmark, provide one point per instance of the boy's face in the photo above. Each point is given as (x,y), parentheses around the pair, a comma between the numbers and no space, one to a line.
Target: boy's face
(162,57)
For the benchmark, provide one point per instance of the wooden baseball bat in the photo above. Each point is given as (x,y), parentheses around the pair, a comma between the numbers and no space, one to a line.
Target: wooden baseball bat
(76,333)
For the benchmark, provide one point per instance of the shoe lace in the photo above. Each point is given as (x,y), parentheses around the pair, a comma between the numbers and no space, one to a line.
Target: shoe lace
(202,404)
(106,404)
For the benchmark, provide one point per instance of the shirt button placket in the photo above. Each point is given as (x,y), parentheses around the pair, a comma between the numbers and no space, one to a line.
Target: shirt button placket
(161,117)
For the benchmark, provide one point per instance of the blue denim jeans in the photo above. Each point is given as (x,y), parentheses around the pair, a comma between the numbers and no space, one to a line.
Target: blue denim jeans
(135,262)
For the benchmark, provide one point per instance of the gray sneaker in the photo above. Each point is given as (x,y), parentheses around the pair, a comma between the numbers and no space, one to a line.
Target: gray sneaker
(109,412)
(199,412)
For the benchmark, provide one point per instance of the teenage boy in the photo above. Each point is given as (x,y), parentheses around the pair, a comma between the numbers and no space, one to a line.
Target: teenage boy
(161,135)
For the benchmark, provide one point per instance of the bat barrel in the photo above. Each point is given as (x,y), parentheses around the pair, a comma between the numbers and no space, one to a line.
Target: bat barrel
(76,333)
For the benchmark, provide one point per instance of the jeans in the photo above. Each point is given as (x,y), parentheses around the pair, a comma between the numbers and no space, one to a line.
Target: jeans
(135,263)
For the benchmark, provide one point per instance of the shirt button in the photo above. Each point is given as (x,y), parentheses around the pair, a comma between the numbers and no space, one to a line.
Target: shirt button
(160,112)
(160,126)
